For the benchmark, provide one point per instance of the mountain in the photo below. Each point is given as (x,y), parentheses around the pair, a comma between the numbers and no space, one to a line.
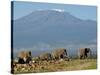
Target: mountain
(52,27)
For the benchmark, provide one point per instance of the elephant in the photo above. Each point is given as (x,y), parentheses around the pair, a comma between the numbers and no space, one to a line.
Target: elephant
(59,53)
(83,53)
(24,57)
(45,56)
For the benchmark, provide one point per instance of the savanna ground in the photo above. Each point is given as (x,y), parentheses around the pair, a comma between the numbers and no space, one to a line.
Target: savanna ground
(54,66)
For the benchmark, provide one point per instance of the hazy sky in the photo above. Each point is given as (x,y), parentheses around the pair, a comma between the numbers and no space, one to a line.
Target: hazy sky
(81,11)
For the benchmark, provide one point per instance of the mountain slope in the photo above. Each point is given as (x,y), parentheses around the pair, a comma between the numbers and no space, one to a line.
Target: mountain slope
(50,26)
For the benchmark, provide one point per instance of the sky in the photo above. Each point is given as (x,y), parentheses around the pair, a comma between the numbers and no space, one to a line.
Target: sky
(81,11)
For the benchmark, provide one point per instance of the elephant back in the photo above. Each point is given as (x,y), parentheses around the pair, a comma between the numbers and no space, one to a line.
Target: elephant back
(24,54)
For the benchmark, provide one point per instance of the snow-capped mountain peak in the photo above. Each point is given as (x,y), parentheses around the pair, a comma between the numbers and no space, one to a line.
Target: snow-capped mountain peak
(59,10)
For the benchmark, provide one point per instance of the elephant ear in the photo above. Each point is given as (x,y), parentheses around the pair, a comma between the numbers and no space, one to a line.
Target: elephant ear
(86,50)
(89,50)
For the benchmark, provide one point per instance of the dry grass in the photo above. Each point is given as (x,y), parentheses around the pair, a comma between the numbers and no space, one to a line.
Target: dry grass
(52,66)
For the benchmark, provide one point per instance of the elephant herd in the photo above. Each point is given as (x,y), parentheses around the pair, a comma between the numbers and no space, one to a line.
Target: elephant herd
(56,54)
(26,57)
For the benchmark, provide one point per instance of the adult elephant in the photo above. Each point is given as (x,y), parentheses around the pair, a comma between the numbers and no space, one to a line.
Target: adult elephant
(84,53)
(59,53)
(45,56)
(24,57)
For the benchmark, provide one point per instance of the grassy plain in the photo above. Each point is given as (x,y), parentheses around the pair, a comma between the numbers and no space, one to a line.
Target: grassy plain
(54,66)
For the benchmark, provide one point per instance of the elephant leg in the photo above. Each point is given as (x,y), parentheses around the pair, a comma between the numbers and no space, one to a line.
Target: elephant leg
(58,57)
(61,56)
(55,58)
(86,56)
(80,56)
